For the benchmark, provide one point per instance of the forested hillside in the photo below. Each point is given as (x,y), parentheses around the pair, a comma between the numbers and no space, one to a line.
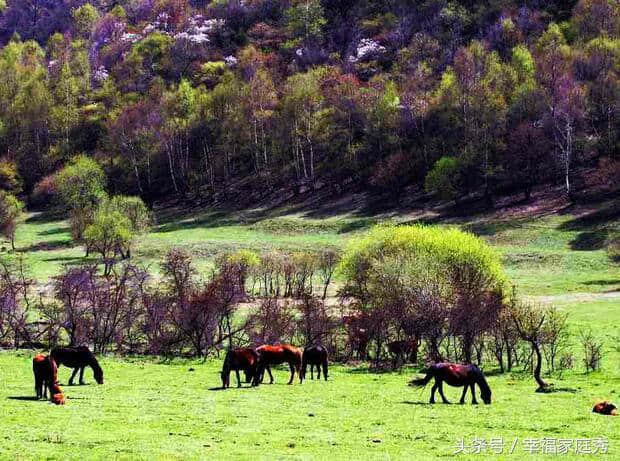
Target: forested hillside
(206,99)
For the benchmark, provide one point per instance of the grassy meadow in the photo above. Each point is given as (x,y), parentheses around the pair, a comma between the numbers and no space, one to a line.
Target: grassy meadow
(148,409)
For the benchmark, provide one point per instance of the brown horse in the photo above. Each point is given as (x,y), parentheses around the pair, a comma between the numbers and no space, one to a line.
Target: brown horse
(275,355)
(605,408)
(402,350)
(357,333)
(78,358)
(239,359)
(314,356)
(466,376)
(46,377)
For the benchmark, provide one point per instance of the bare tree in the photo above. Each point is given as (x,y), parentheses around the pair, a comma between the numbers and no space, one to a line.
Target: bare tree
(529,321)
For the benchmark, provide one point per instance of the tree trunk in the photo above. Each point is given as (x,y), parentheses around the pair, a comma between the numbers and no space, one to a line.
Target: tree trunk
(542,385)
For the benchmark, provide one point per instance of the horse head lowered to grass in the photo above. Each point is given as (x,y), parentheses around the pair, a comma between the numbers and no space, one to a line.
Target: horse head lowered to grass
(239,359)
(466,376)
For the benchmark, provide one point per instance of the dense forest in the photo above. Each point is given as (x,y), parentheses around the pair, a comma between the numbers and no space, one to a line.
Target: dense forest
(238,99)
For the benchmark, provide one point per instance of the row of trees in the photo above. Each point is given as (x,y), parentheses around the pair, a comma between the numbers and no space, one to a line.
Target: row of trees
(441,289)
(173,98)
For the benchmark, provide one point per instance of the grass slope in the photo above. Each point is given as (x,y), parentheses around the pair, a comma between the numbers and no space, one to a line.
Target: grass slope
(555,254)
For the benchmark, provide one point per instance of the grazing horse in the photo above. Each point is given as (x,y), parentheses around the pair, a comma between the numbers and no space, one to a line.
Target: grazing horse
(46,377)
(275,355)
(78,358)
(458,376)
(357,332)
(314,356)
(239,359)
(404,349)
(605,408)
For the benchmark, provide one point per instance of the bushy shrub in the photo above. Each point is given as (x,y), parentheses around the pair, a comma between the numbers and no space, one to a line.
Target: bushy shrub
(408,270)
(11,213)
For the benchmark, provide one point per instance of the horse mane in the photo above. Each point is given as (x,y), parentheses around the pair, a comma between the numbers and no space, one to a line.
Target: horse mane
(94,363)
(482,382)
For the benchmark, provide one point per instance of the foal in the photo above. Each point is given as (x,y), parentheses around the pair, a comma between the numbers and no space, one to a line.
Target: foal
(466,376)
(314,356)
(275,355)
(46,377)
(78,358)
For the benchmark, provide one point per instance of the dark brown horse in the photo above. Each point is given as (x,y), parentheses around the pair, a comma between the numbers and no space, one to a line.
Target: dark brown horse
(466,376)
(357,332)
(78,358)
(275,355)
(314,356)
(404,349)
(239,359)
(46,377)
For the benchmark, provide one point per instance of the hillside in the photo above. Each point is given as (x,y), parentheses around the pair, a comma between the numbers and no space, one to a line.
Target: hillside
(232,103)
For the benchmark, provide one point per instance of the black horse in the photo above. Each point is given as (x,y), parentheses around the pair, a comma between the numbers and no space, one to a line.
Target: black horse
(466,376)
(314,356)
(78,358)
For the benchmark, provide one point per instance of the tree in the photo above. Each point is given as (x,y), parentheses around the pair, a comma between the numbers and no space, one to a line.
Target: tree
(445,178)
(564,96)
(529,321)
(85,17)
(110,233)
(394,274)
(135,210)
(80,186)
(11,213)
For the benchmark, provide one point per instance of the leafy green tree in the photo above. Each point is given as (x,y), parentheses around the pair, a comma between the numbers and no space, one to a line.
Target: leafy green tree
(135,210)
(80,187)
(305,20)
(11,214)
(428,280)
(85,17)
(109,234)
(445,178)
(10,179)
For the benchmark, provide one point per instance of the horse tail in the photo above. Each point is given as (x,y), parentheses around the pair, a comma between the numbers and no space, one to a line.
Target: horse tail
(420,382)
(325,367)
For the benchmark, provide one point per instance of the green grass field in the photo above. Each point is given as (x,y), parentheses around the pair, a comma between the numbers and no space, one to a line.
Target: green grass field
(149,410)
(153,410)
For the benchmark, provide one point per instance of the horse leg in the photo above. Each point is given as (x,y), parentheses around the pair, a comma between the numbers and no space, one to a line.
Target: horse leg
(462,401)
(292,367)
(443,397)
(75,370)
(473,394)
(433,389)
(238,378)
(81,376)
(312,371)
(325,370)
(270,375)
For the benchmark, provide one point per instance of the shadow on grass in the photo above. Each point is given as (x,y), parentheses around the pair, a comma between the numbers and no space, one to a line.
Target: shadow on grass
(602,282)
(26,398)
(231,388)
(44,217)
(47,246)
(594,228)
(409,402)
